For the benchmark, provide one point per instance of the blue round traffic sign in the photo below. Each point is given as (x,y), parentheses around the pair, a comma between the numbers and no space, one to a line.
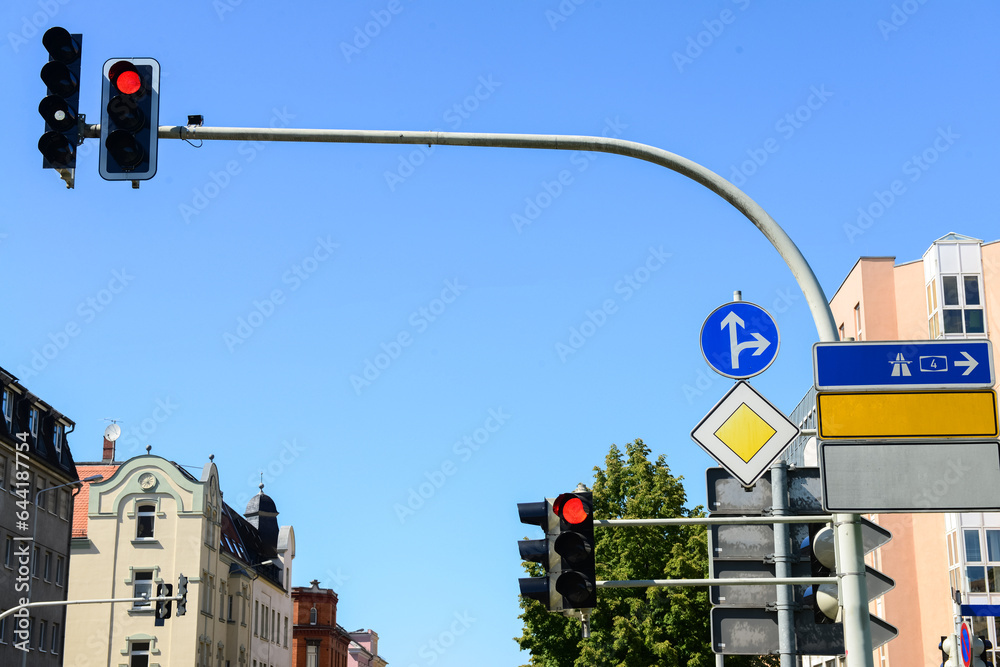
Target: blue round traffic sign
(739,339)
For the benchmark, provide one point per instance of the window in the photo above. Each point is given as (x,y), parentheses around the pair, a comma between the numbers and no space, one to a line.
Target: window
(857,321)
(8,406)
(312,653)
(229,610)
(312,616)
(57,437)
(256,616)
(286,632)
(55,638)
(3,629)
(42,627)
(222,602)
(64,501)
(142,586)
(954,278)
(840,330)
(59,571)
(144,522)
(3,472)
(33,422)
(138,654)
(47,567)
(209,593)
(8,552)
(274,628)
(34,562)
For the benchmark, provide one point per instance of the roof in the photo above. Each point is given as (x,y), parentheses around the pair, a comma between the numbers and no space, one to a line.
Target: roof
(42,447)
(81,503)
(952,236)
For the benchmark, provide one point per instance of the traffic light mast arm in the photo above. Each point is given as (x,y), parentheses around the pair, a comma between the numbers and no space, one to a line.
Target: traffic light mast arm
(734,581)
(710,521)
(52,603)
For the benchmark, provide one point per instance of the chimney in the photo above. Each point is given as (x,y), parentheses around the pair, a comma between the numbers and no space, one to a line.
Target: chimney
(109,451)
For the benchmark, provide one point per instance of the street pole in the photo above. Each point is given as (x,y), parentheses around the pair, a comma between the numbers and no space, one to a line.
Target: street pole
(782,566)
(850,559)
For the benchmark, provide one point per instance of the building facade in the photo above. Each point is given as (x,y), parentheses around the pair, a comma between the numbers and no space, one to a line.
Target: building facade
(319,639)
(34,458)
(148,522)
(945,565)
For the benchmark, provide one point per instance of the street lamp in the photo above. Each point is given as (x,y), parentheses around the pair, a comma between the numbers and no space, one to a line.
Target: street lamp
(34,531)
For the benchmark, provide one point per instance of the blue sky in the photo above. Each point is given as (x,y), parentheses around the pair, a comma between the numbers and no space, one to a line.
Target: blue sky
(225,306)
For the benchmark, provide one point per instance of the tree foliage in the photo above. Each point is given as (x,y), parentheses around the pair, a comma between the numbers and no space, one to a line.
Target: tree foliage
(635,627)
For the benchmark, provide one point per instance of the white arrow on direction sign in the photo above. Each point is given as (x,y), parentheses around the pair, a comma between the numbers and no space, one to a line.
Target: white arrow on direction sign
(971,363)
(732,320)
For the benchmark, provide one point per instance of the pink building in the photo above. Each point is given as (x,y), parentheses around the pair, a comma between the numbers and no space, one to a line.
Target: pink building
(939,561)
(363,650)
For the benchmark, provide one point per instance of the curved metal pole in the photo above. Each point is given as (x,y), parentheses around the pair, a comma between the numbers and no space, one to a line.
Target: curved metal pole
(857,631)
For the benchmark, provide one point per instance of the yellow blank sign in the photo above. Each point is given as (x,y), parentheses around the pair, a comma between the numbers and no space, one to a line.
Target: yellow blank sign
(931,414)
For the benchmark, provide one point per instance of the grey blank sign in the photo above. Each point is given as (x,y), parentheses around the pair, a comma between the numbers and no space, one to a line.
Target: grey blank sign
(869,477)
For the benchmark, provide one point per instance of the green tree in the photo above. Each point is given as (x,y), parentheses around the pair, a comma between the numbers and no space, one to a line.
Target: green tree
(635,627)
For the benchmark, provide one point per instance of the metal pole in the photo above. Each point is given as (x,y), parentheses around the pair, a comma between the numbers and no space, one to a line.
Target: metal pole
(713,521)
(732,581)
(850,560)
(782,566)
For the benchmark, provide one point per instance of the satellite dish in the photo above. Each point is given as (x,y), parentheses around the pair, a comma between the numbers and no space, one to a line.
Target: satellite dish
(112,432)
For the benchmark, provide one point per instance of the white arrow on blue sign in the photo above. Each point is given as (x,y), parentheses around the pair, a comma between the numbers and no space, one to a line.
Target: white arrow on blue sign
(906,364)
(739,339)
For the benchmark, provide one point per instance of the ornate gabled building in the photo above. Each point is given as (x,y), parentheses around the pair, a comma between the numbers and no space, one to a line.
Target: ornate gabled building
(34,541)
(150,521)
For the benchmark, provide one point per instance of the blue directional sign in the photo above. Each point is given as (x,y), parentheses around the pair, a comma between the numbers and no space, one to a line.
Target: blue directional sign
(906,365)
(739,339)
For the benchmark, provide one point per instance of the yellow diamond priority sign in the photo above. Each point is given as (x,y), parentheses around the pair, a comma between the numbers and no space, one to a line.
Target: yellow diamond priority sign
(744,433)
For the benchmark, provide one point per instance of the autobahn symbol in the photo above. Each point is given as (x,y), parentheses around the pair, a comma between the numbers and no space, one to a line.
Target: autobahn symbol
(739,340)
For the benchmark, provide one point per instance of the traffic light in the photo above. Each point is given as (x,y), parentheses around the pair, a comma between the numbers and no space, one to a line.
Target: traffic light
(574,544)
(163,606)
(566,554)
(537,551)
(182,591)
(819,545)
(949,651)
(61,75)
(130,109)
(981,652)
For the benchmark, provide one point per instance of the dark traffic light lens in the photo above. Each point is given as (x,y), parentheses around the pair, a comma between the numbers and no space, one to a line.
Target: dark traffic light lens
(125,149)
(61,45)
(574,548)
(59,79)
(575,587)
(57,149)
(57,113)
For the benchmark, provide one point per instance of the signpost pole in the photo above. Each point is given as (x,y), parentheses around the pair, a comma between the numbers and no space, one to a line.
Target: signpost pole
(782,566)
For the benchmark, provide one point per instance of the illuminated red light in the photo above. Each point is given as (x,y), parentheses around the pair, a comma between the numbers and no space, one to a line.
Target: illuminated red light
(574,511)
(128,82)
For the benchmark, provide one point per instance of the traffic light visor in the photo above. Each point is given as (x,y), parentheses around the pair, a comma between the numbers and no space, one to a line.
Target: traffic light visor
(572,509)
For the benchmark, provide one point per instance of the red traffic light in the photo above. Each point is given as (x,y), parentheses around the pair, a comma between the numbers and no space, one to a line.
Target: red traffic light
(571,508)
(125,77)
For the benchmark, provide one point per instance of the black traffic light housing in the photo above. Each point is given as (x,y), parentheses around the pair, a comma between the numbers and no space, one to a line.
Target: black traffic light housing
(981,651)
(163,606)
(537,551)
(130,110)
(574,544)
(182,591)
(61,75)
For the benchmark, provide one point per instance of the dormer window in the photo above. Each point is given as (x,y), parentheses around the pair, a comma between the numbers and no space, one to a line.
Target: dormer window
(58,433)
(145,515)
(7,406)
(33,422)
